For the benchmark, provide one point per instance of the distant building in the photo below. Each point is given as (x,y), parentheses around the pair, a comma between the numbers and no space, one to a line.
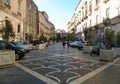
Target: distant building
(46,28)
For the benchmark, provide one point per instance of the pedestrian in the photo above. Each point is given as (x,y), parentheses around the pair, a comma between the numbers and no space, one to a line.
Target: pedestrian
(63,44)
(68,43)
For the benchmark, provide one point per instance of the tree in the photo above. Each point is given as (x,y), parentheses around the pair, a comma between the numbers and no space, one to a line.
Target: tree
(118,39)
(42,38)
(7,32)
(109,37)
(89,36)
(30,37)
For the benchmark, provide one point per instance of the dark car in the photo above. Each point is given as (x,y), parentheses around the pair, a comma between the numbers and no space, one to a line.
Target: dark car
(35,42)
(19,53)
(96,49)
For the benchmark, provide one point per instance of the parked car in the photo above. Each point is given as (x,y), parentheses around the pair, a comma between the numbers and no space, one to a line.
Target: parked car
(35,42)
(22,46)
(2,44)
(80,44)
(77,44)
(97,47)
(19,53)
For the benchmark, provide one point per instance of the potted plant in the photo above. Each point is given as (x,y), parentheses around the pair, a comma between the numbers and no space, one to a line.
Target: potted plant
(109,37)
(118,39)
(108,54)
(7,57)
(88,47)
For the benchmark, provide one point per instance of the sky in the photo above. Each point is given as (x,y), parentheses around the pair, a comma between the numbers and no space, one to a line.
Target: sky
(59,11)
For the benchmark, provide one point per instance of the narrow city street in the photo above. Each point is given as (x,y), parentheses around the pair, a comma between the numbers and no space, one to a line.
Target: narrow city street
(56,65)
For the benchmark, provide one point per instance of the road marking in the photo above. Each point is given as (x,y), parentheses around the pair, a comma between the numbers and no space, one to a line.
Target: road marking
(37,75)
(91,74)
(116,60)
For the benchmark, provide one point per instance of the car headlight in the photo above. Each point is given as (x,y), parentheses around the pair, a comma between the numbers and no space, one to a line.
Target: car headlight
(23,50)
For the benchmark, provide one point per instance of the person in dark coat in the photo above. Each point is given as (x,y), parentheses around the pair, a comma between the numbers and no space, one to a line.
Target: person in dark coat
(68,43)
(63,44)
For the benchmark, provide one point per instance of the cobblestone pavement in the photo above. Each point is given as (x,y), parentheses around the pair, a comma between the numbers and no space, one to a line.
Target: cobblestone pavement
(60,65)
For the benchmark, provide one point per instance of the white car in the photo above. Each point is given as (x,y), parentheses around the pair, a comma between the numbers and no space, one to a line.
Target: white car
(77,44)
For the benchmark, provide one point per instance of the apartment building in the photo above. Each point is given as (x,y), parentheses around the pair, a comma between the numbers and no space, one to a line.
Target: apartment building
(9,10)
(46,28)
(90,16)
(30,19)
(22,14)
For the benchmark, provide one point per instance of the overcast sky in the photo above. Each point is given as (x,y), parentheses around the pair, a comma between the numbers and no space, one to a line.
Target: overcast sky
(59,11)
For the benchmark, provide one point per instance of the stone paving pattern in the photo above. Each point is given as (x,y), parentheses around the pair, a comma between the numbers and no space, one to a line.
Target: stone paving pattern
(62,69)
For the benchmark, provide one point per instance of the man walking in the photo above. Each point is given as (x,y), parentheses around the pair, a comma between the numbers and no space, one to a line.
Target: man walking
(63,44)
(68,43)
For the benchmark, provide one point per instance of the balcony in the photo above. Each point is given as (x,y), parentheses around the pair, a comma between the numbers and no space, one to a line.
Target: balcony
(105,1)
(89,13)
(96,7)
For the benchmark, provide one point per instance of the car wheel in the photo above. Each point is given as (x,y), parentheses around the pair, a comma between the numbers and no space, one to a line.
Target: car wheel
(17,57)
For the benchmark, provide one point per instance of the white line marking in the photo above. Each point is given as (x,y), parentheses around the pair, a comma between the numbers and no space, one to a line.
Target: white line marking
(35,74)
(91,74)
(116,60)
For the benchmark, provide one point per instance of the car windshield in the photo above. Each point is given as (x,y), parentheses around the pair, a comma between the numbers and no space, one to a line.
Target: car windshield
(18,43)
(11,44)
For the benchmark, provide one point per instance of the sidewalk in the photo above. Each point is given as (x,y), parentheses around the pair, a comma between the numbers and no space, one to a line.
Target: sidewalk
(111,75)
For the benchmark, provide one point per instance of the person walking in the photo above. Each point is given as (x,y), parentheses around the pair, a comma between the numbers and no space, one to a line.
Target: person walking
(68,43)
(63,44)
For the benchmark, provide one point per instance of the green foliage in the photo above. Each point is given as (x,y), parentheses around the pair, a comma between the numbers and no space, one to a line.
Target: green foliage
(42,38)
(72,37)
(30,37)
(89,36)
(109,36)
(7,32)
(118,39)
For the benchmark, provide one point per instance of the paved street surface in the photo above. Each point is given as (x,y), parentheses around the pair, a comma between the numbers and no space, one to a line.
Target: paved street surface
(56,65)
(15,75)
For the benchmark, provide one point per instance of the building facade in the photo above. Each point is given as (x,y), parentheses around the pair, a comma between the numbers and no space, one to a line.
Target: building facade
(9,10)
(46,28)
(30,20)
(90,15)
(22,14)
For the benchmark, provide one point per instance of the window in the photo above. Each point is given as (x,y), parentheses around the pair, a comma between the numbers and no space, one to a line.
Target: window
(90,7)
(19,6)
(97,2)
(96,19)
(7,2)
(107,12)
(86,10)
(90,23)
(18,29)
